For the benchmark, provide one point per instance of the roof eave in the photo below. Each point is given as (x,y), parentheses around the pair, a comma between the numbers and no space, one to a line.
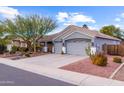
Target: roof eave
(109,38)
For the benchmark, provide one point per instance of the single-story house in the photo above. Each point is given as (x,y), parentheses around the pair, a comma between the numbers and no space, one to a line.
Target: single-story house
(19,42)
(75,40)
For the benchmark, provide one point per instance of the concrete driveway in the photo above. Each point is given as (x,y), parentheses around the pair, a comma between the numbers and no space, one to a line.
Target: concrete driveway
(52,60)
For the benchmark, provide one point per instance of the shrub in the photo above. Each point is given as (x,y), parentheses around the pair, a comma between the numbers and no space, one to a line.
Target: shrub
(27,55)
(1,52)
(62,52)
(3,48)
(14,49)
(99,59)
(38,47)
(117,60)
(23,49)
(88,51)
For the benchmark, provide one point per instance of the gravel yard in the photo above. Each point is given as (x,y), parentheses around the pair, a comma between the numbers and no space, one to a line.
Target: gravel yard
(85,66)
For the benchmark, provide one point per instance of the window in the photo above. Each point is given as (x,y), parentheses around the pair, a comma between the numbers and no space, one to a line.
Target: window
(42,44)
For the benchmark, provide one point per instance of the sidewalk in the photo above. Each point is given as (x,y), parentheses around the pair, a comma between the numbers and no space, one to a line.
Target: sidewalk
(63,75)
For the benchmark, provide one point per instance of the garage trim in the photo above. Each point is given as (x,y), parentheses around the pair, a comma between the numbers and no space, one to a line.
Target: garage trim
(77,32)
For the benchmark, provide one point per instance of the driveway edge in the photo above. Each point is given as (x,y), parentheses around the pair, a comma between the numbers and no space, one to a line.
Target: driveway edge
(115,72)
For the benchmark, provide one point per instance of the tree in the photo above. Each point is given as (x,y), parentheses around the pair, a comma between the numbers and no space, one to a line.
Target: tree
(85,26)
(111,30)
(29,28)
(3,38)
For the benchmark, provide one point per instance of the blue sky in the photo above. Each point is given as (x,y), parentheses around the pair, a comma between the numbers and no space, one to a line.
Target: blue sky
(94,17)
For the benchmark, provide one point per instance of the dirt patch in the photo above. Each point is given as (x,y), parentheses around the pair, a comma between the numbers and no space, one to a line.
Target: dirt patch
(86,66)
(17,56)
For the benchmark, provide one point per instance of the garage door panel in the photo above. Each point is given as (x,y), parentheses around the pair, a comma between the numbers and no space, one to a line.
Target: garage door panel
(77,47)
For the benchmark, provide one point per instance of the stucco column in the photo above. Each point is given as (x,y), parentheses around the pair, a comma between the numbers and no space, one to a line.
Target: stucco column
(53,49)
(63,46)
(45,47)
(93,47)
(9,47)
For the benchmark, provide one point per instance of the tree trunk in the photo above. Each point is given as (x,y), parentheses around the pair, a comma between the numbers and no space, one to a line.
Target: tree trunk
(29,46)
(34,46)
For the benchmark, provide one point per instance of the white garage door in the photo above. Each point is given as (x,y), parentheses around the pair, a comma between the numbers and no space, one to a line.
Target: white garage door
(77,47)
(58,47)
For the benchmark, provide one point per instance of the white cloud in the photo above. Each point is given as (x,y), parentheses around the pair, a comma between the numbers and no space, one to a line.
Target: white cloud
(122,15)
(94,27)
(74,18)
(117,25)
(8,12)
(106,24)
(66,24)
(117,19)
(58,29)
(81,18)
(62,16)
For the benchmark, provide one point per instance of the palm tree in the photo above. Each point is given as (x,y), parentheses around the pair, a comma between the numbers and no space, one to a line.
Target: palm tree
(40,26)
(29,28)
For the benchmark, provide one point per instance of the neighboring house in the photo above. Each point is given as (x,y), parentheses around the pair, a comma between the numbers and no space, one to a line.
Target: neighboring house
(75,40)
(18,42)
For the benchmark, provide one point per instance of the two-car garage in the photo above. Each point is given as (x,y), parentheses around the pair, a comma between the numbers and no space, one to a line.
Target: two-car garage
(77,46)
(73,46)
(74,43)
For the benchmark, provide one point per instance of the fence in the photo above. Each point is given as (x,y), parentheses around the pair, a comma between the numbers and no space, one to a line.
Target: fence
(114,49)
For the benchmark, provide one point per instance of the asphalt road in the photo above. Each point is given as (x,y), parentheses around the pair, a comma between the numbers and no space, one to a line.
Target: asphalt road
(10,76)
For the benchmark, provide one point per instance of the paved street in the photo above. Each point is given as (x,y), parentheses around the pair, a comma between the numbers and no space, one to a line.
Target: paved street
(16,77)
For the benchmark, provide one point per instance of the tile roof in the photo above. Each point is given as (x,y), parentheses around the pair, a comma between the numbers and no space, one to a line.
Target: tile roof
(72,28)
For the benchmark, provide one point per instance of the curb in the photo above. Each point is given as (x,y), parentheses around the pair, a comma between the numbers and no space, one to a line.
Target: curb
(115,72)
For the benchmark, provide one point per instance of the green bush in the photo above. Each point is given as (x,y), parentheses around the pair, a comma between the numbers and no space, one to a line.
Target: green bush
(99,59)
(14,49)
(23,49)
(27,55)
(88,50)
(117,60)
(38,47)
(3,49)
